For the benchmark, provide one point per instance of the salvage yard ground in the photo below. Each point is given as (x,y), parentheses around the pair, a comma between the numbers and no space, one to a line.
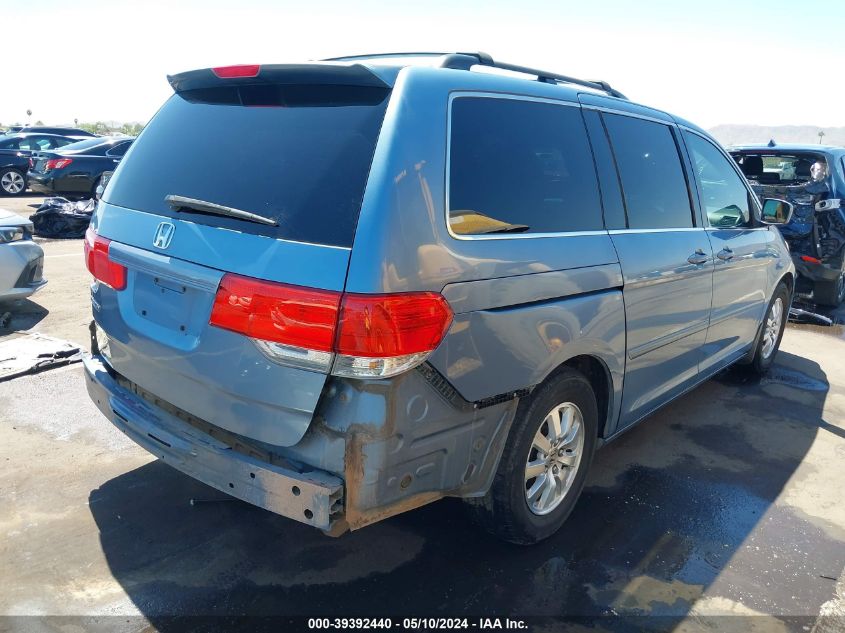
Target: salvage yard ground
(728,502)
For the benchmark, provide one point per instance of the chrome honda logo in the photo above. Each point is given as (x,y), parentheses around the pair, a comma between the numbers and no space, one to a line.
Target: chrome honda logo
(164,234)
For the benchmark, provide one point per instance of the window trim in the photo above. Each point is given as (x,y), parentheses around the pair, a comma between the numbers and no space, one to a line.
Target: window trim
(752,197)
(117,145)
(457,94)
(681,149)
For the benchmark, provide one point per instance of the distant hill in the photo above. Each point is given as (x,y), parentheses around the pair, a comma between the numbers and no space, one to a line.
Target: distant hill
(733,134)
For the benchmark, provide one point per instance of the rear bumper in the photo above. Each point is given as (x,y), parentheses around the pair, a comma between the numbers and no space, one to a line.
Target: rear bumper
(41,184)
(314,498)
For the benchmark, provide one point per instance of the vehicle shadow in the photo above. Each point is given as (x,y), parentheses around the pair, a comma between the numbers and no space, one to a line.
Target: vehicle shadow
(667,516)
(24,314)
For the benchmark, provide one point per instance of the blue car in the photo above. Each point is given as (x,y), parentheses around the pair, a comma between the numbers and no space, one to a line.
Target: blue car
(812,179)
(345,289)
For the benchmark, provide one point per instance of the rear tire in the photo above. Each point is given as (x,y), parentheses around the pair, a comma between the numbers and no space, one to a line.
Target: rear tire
(534,491)
(830,293)
(12,182)
(771,331)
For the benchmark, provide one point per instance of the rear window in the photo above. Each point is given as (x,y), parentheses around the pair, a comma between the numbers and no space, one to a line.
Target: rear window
(653,181)
(300,156)
(518,166)
(782,169)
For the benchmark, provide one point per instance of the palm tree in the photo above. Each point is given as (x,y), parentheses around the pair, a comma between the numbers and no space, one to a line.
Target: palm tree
(821,136)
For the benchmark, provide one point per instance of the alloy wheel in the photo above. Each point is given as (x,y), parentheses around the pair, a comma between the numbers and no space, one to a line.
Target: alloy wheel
(12,182)
(553,458)
(771,328)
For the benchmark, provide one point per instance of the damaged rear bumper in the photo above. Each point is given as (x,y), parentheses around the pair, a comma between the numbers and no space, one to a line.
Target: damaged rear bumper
(314,497)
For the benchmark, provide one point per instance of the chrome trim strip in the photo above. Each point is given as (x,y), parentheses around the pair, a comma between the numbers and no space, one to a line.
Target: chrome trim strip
(634,231)
(501,236)
(636,115)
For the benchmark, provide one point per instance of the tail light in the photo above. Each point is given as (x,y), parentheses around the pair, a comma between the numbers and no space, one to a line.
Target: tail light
(99,264)
(812,260)
(57,163)
(347,334)
(239,70)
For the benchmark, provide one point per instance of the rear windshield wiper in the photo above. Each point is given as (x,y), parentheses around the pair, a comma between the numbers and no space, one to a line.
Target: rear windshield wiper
(181,202)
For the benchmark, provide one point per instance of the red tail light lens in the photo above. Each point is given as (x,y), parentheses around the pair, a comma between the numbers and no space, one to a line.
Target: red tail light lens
(99,264)
(812,260)
(291,315)
(360,335)
(239,70)
(57,163)
(392,325)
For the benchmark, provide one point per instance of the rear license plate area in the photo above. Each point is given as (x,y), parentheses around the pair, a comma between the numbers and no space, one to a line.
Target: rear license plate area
(167,303)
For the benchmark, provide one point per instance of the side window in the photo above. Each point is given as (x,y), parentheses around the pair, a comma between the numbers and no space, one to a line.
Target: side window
(61,142)
(724,196)
(519,166)
(12,143)
(656,194)
(41,143)
(119,149)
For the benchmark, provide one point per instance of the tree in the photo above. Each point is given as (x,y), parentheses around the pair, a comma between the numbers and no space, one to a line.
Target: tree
(39,122)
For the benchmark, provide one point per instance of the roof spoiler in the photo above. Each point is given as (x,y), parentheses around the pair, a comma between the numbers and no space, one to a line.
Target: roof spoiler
(276,74)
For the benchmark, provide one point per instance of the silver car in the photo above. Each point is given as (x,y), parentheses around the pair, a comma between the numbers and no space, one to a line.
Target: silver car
(21,259)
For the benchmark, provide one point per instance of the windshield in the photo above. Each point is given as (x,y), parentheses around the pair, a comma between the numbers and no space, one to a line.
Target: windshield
(782,169)
(301,158)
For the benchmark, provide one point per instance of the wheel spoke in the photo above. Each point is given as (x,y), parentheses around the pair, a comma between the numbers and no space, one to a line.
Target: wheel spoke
(542,444)
(572,435)
(553,420)
(549,488)
(536,488)
(534,469)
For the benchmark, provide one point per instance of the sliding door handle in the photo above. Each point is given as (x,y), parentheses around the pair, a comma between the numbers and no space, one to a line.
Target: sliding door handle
(698,257)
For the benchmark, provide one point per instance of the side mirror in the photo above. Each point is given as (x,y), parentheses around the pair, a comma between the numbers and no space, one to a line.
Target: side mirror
(776,211)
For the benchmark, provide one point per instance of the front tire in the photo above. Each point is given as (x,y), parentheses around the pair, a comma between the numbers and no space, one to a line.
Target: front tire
(12,182)
(830,293)
(771,331)
(545,462)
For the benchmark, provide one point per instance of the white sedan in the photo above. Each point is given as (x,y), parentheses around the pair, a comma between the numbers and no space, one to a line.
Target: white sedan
(21,259)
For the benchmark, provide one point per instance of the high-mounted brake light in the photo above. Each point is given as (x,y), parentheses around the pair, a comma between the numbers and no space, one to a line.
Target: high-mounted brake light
(348,334)
(99,264)
(57,163)
(812,260)
(239,70)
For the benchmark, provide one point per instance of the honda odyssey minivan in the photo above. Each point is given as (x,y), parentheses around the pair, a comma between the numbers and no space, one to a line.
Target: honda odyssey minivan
(341,290)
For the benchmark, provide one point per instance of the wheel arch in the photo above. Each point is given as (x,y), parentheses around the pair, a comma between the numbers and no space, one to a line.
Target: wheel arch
(597,372)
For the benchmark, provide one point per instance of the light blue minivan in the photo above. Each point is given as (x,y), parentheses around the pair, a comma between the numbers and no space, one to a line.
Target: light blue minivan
(340,290)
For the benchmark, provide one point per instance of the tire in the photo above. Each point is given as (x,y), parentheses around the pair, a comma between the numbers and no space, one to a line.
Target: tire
(505,510)
(771,332)
(12,182)
(830,293)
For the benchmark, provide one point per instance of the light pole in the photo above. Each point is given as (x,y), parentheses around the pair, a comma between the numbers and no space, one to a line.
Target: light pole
(28,117)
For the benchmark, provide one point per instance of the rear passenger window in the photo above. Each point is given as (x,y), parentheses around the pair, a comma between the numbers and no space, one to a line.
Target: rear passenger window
(723,194)
(519,166)
(656,195)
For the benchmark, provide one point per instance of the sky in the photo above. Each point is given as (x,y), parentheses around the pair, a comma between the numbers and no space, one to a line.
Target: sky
(760,62)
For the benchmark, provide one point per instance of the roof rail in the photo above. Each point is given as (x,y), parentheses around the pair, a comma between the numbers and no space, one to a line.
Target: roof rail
(465,61)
